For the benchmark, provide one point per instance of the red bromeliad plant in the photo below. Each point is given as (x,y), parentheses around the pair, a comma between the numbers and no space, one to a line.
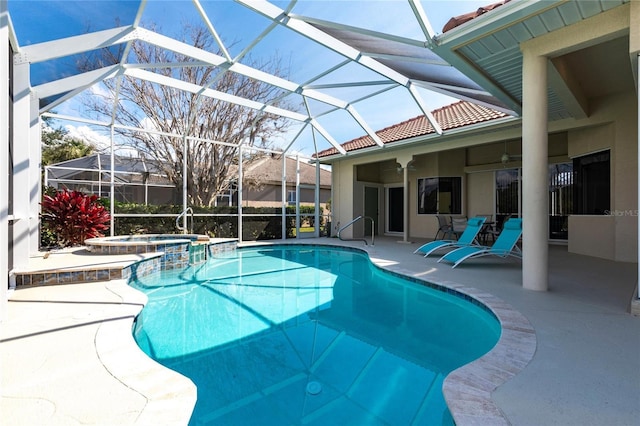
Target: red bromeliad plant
(73,217)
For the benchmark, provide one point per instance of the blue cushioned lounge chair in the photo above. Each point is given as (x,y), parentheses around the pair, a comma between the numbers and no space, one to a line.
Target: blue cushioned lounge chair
(504,246)
(468,237)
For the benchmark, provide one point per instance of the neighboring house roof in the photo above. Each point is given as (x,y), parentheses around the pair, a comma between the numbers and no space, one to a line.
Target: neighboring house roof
(461,19)
(102,162)
(268,169)
(452,116)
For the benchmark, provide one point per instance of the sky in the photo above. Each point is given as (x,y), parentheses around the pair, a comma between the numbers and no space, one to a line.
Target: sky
(37,21)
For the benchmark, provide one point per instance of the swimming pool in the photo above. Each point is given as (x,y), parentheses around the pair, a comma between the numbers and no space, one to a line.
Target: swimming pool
(309,335)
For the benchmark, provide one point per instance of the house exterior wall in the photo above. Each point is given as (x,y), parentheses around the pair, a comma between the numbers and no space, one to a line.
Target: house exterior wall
(344,205)
(614,128)
(480,193)
(612,125)
(429,161)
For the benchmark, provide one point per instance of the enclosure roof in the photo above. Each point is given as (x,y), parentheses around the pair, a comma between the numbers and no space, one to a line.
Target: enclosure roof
(354,66)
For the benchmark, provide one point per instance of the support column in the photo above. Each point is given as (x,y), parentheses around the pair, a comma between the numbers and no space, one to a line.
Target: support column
(405,202)
(316,202)
(4,157)
(185,183)
(21,164)
(404,163)
(35,175)
(112,180)
(535,185)
(283,190)
(240,178)
(297,197)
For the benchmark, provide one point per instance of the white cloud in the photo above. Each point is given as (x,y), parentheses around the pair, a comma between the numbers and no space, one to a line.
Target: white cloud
(101,141)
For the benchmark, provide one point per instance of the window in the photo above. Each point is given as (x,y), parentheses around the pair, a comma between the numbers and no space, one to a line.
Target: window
(507,192)
(441,195)
(592,186)
(291,197)
(561,193)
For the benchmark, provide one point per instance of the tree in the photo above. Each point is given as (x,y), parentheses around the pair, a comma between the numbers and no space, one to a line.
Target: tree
(143,104)
(58,146)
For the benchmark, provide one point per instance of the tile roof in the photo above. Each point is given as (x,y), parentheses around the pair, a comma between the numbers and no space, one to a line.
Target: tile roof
(449,117)
(268,169)
(461,19)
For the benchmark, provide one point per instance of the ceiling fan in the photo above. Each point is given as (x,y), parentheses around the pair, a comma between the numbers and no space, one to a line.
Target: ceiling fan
(506,157)
(399,169)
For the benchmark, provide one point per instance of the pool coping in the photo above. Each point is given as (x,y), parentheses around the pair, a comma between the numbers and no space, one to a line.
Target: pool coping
(467,390)
(171,396)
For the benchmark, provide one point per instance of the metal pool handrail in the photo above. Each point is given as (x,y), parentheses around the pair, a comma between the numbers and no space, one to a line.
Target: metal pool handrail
(373,234)
(187,210)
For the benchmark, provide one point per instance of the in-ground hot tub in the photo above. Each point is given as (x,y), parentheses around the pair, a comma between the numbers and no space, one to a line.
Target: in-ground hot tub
(175,248)
(128,244)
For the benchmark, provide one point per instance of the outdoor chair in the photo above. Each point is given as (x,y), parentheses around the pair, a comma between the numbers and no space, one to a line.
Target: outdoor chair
(504,246)
(488,229)
(496,228)
(468,237)
(458,225)
(443,226)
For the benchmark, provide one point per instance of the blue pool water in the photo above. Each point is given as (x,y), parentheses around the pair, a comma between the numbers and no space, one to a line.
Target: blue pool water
(286,335)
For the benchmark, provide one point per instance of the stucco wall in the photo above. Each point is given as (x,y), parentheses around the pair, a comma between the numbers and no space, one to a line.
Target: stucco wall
(616,129)
(592,236)
(480,194)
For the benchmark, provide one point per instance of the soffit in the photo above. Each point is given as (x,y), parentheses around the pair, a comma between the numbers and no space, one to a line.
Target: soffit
(497,53)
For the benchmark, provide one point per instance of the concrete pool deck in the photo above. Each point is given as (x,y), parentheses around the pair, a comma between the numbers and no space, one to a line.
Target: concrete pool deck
(60,344)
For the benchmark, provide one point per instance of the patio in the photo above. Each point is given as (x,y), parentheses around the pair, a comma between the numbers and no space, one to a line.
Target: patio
(586,368)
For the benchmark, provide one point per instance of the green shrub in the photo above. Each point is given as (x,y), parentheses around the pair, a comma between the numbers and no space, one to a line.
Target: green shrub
(70,217)
(262,226)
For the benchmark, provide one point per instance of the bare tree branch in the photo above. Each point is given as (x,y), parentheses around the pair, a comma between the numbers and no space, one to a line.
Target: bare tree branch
(147,105)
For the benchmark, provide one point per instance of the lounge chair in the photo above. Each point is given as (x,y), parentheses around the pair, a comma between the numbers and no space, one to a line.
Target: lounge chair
(504,246)
(468,237)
